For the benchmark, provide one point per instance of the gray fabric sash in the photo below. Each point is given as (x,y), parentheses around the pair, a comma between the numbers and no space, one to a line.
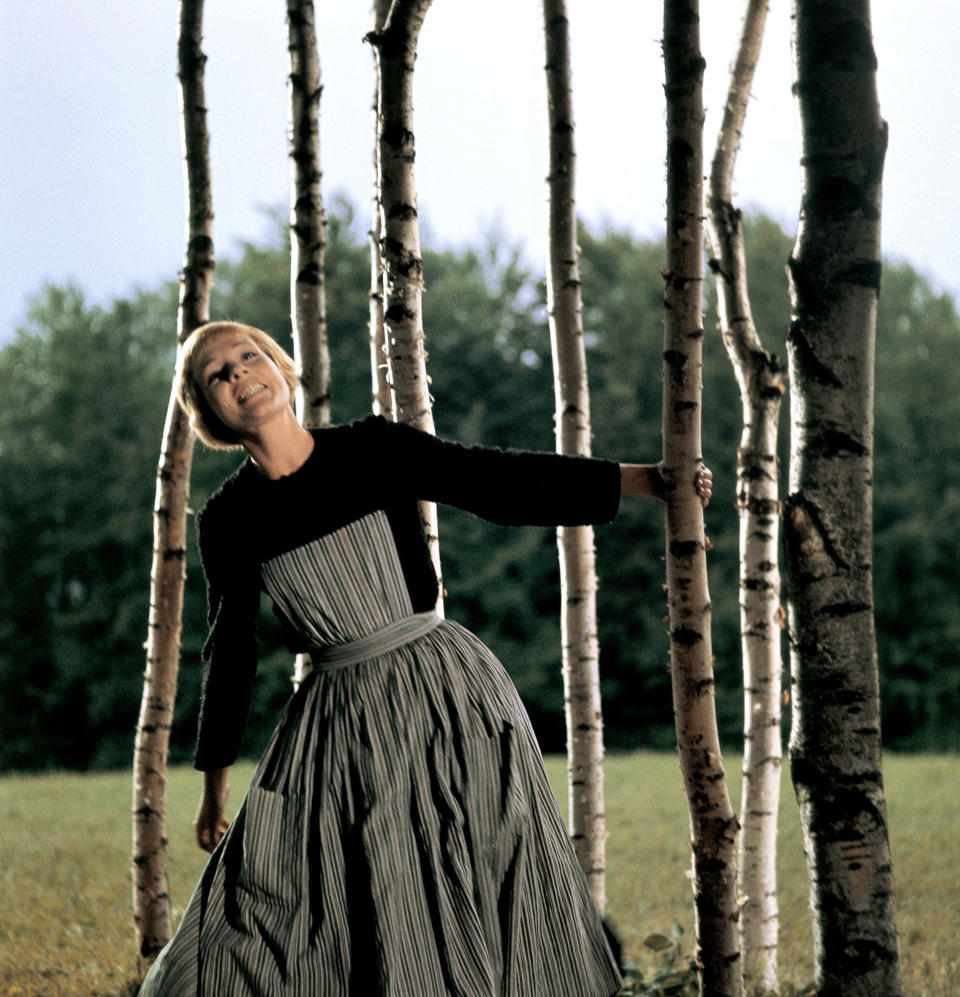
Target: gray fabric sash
(332,657)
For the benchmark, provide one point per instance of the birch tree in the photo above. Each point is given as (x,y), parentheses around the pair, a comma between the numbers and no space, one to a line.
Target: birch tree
(307,234)
(307,224)
(712,821)
(395,48)
(151,898)
(578,577)
(762,383)
(835,751)
(381,399)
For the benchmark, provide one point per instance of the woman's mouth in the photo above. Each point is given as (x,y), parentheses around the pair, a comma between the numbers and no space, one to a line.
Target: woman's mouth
(250,392)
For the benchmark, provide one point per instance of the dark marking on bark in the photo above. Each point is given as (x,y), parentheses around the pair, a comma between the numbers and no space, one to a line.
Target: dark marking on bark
(679,153)
(686,636)
(715,867)
(402,212)
(836,197)
(201,245)
(863,273)
(807,539)
(399,138)
(858,957)
(805,359)
(841,44)
(310,275)
(399,313)
(685,548)
(831,443)
(675,361)
(763,507)
(839,610)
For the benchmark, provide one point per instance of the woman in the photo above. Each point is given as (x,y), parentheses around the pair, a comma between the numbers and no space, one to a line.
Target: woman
(399,836)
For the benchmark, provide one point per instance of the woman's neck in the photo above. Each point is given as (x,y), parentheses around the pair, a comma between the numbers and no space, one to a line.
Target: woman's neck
(281,448)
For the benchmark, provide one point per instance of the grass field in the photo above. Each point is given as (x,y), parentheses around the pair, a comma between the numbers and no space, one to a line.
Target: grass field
(66,928)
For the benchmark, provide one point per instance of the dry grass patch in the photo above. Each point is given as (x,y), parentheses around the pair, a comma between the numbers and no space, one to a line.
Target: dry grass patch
(66,928)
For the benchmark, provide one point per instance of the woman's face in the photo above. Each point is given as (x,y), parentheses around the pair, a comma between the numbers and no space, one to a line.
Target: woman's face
(241,384)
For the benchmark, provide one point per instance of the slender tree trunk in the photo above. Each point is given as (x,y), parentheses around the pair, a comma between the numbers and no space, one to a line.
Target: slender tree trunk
(151,899)
(396,47)
(835,748)
(578,577)
(307,231)
(307,224)
(381,397)
(762,383)
(712,820)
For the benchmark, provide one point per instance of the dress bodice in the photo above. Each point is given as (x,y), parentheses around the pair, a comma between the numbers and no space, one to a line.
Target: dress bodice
(342,586)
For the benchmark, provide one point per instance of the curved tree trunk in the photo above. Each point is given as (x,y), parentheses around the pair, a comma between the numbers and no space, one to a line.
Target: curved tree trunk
(762,382)
(151,899)
(381,397)
(712,821)
(396,47)
(578,577)
(307,234)
(835,748)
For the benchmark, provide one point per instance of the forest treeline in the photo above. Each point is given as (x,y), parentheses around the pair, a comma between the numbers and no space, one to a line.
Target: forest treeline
(84,390)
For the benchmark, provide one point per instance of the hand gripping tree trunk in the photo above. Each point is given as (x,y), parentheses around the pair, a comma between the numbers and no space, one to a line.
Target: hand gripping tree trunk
(712,821)
(151,899)
(307,230)
(835,750)
(762,382)
(578,578)
(395,47)
(381,398)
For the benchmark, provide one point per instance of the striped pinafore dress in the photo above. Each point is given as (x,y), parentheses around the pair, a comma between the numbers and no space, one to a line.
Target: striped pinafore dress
(399,836)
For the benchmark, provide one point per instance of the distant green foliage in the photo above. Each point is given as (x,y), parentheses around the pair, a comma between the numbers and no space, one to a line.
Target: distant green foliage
(84,392)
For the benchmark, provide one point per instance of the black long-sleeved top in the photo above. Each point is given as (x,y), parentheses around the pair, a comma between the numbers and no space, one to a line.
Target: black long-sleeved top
(353,470)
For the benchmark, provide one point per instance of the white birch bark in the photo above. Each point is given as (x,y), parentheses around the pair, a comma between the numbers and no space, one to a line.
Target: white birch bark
(835,746)
(307,234)
(578,578)
(307,223)
(395,47)
(151,898)
(762,382)
(380,394)
(712,820)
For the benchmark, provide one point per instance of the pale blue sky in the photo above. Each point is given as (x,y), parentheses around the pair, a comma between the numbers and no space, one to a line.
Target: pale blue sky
(90,162)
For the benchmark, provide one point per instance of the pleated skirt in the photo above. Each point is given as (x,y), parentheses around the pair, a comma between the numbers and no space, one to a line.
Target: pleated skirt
(399,839)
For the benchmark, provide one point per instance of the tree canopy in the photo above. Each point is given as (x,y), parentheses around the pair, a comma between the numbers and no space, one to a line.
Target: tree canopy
(84,390)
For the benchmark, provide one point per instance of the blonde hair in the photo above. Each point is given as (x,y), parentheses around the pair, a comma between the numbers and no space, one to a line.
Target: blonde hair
(204,422)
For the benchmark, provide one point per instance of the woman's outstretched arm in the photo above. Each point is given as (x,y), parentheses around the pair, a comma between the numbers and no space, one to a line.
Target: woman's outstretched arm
(645,479)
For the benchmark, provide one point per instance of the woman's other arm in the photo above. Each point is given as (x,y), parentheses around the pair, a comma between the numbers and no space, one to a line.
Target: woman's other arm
(210,824)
